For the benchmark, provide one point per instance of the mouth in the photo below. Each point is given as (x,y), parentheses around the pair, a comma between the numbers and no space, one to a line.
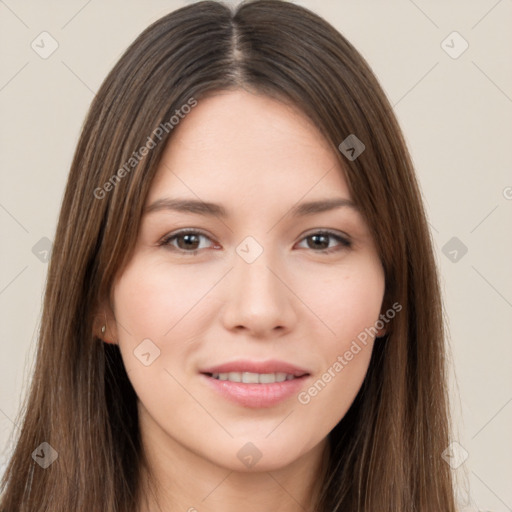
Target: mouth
(255,372)
(255,384)
(254,378)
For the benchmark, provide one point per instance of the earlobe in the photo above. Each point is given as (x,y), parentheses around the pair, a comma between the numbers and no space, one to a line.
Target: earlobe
(103,329)
(381,333)
(383,323)
(381,326)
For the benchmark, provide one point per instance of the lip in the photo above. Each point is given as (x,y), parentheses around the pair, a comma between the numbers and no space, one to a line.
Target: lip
(270,366)
(256,395)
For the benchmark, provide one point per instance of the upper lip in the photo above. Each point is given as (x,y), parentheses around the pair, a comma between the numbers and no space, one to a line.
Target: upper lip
(270,366)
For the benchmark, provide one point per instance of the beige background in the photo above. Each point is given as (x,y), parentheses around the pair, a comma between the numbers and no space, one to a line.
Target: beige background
(456,114)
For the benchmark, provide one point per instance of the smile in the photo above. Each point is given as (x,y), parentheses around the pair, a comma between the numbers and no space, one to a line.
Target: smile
(253,378)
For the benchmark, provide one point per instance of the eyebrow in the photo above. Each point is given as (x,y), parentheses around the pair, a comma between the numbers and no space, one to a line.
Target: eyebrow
(212,209)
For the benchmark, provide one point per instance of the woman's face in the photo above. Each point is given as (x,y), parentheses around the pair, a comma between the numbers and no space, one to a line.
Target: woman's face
(261,288)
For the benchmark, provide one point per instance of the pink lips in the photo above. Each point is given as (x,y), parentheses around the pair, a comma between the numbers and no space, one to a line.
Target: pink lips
(272,366)
(256,395)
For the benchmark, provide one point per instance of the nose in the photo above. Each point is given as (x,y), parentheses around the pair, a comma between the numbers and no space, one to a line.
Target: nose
(259,299)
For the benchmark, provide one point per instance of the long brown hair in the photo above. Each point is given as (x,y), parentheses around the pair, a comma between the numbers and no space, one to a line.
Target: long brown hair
(385,454)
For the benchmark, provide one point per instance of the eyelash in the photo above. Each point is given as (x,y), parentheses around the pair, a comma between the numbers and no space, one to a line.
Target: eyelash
(344,242)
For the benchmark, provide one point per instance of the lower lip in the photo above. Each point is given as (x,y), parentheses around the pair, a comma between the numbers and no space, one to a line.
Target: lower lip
(256,395)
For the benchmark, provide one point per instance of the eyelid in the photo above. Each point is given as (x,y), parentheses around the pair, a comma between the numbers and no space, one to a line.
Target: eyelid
(167,238)
(327,231)
(344,240)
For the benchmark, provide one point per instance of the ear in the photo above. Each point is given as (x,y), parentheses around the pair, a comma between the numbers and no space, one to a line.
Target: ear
(380,322)
(383,319)
(105,325)
(381,332)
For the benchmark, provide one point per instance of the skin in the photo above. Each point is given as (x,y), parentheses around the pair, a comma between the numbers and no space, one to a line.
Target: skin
(257,157)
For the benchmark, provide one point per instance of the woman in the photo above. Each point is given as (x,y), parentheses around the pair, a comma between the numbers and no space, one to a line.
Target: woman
(242,307)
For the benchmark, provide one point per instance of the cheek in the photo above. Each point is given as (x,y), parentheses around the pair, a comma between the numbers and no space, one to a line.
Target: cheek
(347,300)
(154,309)
(349,305)
(156,301)
(329,396)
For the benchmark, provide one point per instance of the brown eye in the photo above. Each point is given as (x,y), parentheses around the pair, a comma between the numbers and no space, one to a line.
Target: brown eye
(188,241)
(321,242)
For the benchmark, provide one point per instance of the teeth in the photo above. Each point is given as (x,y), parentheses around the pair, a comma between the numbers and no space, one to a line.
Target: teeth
(250,378)
(234,377)
(266,378)
(253,378)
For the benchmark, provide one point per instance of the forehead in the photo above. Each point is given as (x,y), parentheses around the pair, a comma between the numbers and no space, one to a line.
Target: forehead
(238,146)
